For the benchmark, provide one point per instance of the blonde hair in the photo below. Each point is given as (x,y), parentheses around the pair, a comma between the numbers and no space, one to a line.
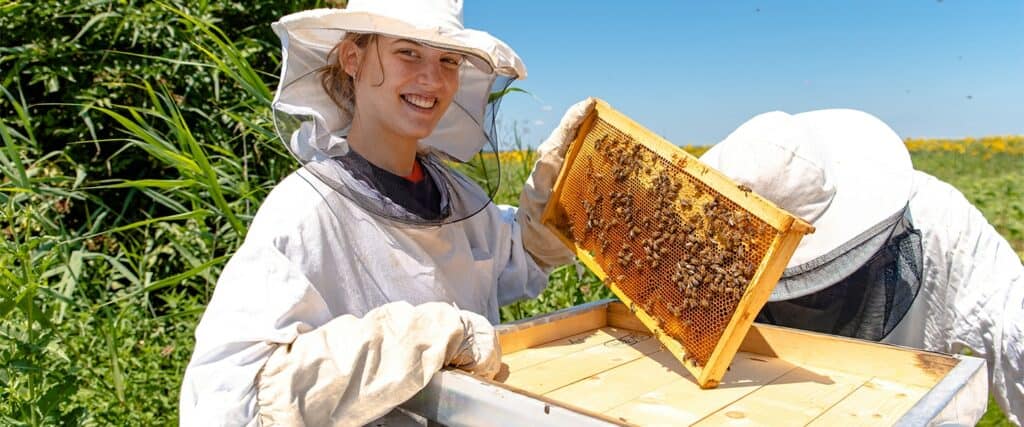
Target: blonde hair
(336,82)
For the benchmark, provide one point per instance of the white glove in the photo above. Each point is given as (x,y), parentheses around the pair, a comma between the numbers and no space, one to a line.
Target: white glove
(541,243)
(480,352)
(352,370)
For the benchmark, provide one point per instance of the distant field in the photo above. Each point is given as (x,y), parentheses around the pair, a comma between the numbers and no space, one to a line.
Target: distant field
(990,173)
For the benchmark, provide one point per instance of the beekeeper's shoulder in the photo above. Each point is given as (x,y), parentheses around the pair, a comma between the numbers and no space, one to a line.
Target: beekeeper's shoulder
(296,200)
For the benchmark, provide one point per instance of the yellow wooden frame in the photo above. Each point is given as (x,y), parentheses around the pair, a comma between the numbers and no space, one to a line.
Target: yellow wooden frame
(788,232)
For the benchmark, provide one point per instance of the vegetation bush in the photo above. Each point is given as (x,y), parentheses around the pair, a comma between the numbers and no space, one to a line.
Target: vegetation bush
(136,147)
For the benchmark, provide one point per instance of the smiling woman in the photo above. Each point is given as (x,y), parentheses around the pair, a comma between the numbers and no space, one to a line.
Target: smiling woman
(399,106)
(422,96)
(375,264)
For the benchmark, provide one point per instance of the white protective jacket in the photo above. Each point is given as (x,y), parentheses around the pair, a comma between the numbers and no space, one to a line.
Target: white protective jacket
(972,290)
(314,258)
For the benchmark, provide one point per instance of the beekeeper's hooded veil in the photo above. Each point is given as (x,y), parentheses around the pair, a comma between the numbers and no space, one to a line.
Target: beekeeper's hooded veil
(897,255)
(847,173)
(313,127)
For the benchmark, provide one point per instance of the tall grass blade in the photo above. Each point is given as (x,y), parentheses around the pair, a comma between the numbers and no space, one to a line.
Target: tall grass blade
(211,180)
(117,376)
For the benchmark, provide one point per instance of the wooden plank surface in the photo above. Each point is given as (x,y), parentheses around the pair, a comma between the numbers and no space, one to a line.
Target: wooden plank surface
(877,402)
(683,402)
(899,364)
(796,398)
(603,391)
(559,348)
(553,374)
(780,376)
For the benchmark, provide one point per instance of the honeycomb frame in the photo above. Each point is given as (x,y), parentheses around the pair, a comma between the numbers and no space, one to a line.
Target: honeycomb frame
(692,253)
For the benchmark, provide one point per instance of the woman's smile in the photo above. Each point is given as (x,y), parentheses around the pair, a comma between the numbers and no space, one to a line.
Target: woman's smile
(420,101)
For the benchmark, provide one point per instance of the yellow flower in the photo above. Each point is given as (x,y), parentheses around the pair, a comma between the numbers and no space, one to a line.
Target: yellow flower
(985,146)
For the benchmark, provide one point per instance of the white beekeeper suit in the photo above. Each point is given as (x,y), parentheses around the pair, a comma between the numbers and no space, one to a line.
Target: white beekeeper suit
(897,256)
(332,314)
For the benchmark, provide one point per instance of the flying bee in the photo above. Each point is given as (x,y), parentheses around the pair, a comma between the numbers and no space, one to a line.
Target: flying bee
(746,190)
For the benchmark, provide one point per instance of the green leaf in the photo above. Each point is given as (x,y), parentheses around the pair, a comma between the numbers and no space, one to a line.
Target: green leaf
(494,96)
(149,183)
(57,394)
(169,281)
(92,21)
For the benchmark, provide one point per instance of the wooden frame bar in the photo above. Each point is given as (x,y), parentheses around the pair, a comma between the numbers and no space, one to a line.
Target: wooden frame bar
(783,231)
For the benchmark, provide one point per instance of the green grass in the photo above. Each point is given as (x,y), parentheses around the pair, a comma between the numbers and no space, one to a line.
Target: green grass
(993,185)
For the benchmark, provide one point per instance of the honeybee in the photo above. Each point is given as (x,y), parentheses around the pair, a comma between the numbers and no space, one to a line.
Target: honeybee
(676,310)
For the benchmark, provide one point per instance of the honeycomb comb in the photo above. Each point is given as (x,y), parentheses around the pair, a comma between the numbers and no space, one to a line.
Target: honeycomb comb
(693,254)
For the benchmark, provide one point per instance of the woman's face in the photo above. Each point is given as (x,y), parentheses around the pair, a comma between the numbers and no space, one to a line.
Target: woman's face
(402,88)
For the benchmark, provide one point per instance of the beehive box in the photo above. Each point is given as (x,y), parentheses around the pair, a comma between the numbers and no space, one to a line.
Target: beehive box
(598,365)
(691,252)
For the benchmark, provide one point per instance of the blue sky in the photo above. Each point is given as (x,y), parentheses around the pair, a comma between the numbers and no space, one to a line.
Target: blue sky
(693,71)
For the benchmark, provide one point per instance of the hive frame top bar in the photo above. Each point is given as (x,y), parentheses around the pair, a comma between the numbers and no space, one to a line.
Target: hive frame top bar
(661,158)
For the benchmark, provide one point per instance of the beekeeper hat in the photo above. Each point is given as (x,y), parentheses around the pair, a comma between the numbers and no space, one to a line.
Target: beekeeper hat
(844,171)
(308,122)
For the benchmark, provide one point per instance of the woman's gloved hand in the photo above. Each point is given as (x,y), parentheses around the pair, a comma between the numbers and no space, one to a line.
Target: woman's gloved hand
(353,370)
(543,246)
(480,352)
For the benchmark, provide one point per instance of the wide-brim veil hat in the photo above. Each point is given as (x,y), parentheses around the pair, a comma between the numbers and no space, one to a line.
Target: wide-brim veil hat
(314,128)
(844,171)
(307,38)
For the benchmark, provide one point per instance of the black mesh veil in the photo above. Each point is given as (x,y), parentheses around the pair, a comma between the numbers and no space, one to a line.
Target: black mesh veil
(861,298)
